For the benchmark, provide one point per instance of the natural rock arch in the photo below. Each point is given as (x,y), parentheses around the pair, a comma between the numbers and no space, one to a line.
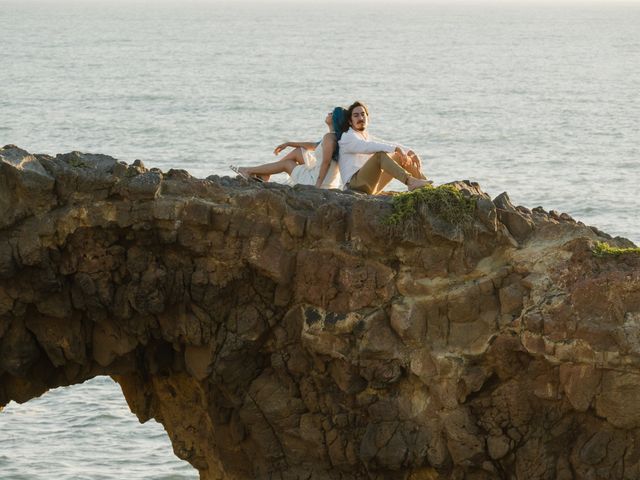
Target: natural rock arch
(290,333)
(84,430)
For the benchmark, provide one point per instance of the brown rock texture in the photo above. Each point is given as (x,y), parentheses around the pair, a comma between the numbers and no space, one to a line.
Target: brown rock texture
(288,333)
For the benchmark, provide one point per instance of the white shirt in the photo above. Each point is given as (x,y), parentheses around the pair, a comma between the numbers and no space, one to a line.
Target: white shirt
(355,149)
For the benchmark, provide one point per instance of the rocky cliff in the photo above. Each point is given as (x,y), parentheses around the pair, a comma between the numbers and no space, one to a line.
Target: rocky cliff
(295,333)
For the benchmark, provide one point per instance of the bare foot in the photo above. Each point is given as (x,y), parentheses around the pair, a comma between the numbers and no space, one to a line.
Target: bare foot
(414,183)
(245,173)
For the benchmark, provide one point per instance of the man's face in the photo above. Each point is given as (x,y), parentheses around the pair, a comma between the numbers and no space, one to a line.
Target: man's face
(359,119)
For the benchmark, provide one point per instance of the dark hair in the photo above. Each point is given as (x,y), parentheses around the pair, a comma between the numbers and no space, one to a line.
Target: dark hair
(353,106)
(340,125)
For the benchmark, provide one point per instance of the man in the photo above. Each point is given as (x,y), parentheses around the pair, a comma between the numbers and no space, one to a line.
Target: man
(368,165)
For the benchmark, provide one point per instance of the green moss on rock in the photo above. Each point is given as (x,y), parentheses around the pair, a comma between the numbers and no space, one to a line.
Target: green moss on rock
(603,249)
(445,202)
(76,162)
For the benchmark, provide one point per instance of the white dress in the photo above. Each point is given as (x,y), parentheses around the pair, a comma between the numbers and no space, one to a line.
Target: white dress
(307,173)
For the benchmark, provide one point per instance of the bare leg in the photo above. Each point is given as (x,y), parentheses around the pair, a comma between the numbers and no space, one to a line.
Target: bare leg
(285,164)
(281,166)
(295,154)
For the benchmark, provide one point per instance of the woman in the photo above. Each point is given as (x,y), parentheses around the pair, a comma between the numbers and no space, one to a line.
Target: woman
(319,168)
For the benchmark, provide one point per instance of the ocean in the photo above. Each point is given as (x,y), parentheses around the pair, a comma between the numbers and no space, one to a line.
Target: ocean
(540,101)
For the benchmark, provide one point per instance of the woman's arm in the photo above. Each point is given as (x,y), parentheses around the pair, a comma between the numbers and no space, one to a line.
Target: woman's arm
(328,147)
(305,145)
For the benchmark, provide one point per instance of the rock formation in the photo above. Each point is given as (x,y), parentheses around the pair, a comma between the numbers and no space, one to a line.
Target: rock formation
(290,333)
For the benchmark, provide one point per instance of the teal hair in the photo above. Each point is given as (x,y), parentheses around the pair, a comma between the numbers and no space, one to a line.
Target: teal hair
(340,125)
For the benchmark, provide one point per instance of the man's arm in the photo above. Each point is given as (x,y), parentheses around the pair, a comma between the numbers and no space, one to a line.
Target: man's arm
(380,140)
(350,143)
(406,156)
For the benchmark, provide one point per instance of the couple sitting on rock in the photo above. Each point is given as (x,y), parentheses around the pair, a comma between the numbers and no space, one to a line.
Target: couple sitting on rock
(347,152)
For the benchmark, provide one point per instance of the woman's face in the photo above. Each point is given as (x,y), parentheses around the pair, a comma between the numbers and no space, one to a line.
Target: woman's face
(328,119)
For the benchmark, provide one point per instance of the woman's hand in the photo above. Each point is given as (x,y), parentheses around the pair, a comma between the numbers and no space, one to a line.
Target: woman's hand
(280,147)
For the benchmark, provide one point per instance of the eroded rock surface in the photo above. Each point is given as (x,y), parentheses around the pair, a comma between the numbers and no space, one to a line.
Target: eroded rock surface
(288,333)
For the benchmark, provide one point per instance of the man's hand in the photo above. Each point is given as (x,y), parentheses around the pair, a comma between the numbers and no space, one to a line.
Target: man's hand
(403,160)
(280,147)
(415,160)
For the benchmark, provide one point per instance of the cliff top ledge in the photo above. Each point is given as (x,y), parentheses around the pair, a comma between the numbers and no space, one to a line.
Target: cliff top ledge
(282,332)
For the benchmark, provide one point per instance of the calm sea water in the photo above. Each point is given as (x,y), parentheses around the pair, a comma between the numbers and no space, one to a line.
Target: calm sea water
(542,102)
(84,432)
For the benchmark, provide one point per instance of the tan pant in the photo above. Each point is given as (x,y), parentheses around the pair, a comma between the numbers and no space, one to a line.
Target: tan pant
(368,178)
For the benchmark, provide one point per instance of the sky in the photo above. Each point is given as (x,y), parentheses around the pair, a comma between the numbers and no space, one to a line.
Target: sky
(337,2)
